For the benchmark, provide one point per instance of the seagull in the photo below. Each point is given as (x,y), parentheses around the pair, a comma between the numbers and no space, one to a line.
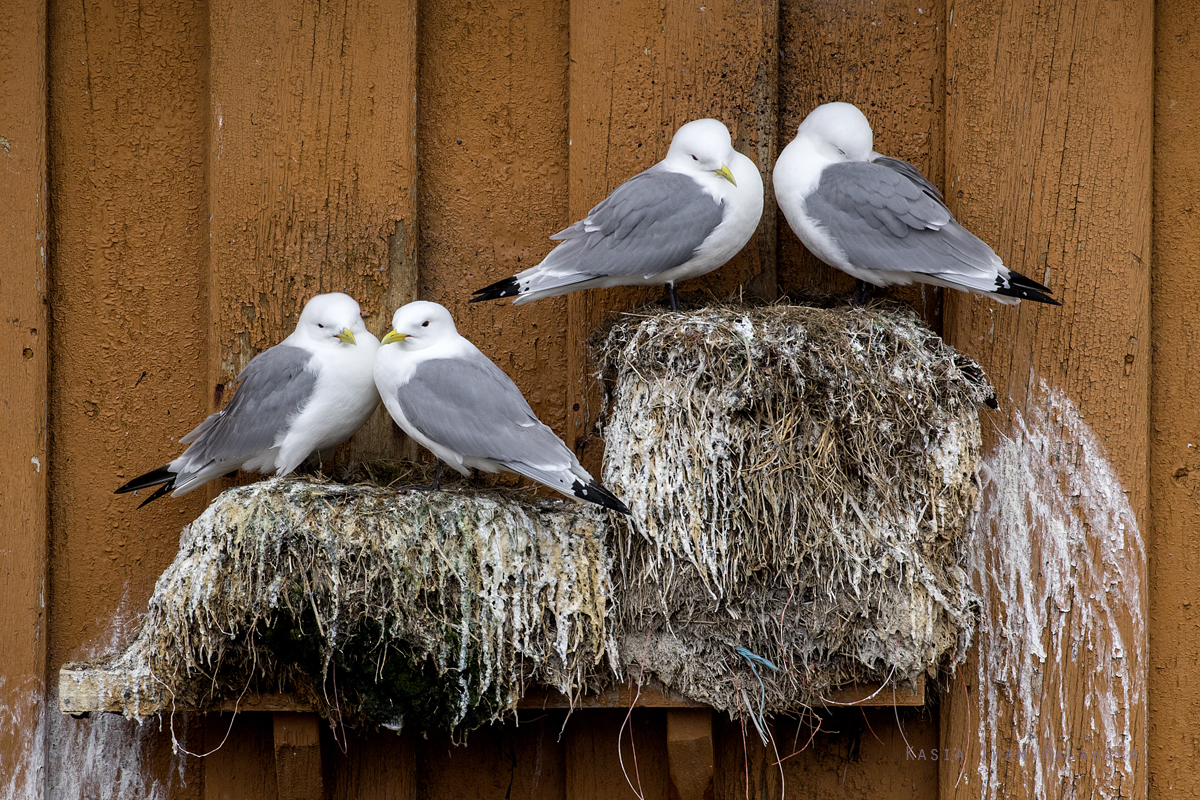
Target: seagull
(308,393)
(449,397)
(682,218)
(878,218)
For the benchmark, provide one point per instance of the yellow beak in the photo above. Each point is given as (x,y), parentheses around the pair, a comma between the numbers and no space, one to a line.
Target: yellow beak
(726,174)
(347,336)
(392,336)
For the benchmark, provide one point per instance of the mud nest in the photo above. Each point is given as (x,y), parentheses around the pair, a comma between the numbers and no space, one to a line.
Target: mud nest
(801,482)
(433,609)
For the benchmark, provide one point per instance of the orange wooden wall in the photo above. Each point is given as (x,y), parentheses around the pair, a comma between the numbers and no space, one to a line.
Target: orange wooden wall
(180,176)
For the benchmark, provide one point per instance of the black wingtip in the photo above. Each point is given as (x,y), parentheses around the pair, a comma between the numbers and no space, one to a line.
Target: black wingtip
(152,478)
(1024,288)
(160,492)
(593,492)
(505,288)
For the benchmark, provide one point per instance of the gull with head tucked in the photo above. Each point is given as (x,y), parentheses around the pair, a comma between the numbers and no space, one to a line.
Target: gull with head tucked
(450,397)
(308,393)
(683,217)
(878,218)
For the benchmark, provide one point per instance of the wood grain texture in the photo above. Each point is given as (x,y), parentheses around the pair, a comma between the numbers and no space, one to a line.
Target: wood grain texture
(499,762)
(887,58)
(640,70)
(597,770)
(24,363)
(1174,430)
(867,753)
(1049,157)
(745,768)
(127,245)
(240,764)
(298,769)
(370,765)
(690,753)
(493,142)
(312,173)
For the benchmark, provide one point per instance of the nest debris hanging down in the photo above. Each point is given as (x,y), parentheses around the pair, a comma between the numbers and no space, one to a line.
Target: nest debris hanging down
(434,609)
(801,482)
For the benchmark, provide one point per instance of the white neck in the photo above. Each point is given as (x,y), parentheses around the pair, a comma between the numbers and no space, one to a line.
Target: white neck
(798,168)
(713,184)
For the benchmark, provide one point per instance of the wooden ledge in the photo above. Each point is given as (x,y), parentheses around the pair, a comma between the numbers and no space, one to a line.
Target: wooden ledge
(85,689)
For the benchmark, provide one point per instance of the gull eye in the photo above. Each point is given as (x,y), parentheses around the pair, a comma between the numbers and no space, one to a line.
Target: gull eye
(695,159)
(319,325)
(840,150)
(425,324)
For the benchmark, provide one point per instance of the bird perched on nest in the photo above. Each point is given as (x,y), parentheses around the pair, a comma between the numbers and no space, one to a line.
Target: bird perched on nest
(684,217)
(448,396)
(308,393)
(878,218)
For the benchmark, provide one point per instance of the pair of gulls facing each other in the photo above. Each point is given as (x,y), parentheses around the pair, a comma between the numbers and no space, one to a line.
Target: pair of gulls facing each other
(876,218)
(313,390)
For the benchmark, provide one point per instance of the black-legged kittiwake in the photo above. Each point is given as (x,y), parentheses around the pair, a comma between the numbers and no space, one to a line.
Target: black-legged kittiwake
(684,217)
(308,393)
(878,218)
(450,398)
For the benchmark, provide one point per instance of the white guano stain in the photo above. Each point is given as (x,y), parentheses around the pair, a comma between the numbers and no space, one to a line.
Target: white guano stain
(104,756)
(1060,565)
(22,719)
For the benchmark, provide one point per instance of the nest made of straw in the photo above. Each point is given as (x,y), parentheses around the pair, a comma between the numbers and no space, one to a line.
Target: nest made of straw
(801,480)
(434,609)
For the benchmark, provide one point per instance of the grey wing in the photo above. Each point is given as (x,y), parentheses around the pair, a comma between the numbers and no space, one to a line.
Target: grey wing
(470,406)
(884,219)
(653,222)
(909,171)
(271,390)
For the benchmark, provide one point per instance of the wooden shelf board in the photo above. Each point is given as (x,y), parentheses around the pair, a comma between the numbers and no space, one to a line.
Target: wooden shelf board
(85,689)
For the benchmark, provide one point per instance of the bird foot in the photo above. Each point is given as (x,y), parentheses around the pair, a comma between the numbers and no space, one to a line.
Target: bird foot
(862,293)
(431,487)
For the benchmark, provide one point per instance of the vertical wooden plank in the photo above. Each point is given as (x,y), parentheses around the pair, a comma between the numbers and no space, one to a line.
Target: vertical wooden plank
(639,70)
(888,59)
(23,400)
(496,763)
(376,765)
(607,758)
(1174,431)
(241,760)
(1049,156)
(745,769)
(312,172)
(493,141)
(858,752)
(127,247)
(690,756)
(298,767)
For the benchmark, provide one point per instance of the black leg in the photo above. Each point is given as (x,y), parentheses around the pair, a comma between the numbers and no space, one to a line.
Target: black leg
(672,297)
(437,480)
(862,293)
